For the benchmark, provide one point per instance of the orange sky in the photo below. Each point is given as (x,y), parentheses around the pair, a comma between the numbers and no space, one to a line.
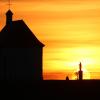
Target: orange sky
(70,29)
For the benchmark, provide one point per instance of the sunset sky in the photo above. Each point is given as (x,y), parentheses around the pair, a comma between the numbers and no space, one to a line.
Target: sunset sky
(70,30)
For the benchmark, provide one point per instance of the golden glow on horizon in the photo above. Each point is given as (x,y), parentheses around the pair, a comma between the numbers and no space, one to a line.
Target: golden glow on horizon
(70,30)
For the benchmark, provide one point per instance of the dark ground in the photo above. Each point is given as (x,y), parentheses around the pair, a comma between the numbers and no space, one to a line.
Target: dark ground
(66,90)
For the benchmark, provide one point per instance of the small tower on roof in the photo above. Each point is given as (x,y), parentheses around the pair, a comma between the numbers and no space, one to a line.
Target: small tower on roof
(9,14)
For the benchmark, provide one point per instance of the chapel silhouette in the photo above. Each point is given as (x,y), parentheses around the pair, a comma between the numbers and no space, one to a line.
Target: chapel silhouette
(20,51)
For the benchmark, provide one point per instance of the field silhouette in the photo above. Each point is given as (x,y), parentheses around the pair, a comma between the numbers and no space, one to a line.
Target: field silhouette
(81,90)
